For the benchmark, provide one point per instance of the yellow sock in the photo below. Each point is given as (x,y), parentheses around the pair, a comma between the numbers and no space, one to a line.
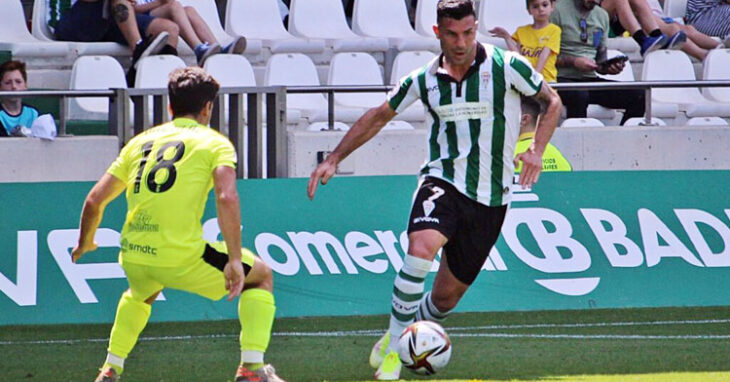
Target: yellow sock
(131,318)
(256,314)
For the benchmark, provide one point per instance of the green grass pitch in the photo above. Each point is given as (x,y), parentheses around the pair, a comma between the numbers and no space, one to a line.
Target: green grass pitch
(669,344)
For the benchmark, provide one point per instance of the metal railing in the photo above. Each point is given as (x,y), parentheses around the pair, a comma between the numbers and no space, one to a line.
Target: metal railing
(249,140)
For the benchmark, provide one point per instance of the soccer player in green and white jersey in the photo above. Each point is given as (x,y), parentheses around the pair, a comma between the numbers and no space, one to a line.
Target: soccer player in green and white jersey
(167,172)
(472,95)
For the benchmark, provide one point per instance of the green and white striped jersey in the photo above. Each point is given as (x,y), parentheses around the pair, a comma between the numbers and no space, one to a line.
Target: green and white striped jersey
(474,123)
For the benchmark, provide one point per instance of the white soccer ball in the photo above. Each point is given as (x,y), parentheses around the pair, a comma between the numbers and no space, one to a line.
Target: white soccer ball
(424,347)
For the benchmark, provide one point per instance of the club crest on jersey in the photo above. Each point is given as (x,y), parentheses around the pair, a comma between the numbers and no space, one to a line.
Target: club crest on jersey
(486,76)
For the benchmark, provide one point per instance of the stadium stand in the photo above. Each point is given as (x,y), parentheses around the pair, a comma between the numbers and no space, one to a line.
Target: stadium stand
(296,69)
(398,125)
(94,72)
(506,14)
(20,42)
(323,126)
(717,67)
(356,69)
(389,19)
(642,122)
(153,72)
(675,65)
(209,12)
(231,70)
(405,63)
(581,122)
(325,20)
(706,121)
(425,17)
(675,8)
(260,20)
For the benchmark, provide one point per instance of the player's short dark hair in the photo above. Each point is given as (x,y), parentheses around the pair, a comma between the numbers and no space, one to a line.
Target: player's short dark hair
(9,66)
(531,107)
(455,9)
(190,89)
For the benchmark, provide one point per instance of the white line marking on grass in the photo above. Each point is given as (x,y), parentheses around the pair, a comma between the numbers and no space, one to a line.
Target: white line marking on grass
(457,329)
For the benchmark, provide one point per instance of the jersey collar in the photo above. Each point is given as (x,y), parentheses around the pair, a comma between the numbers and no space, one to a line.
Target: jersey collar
(527,135)
(186,122)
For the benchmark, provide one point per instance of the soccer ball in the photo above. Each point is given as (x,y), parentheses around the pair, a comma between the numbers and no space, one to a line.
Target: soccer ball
(424,347)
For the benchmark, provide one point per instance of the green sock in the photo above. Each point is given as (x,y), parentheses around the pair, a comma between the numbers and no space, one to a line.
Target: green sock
(132,316)
(256,314)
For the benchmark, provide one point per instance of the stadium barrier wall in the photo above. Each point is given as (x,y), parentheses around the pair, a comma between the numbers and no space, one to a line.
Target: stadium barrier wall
(576,241)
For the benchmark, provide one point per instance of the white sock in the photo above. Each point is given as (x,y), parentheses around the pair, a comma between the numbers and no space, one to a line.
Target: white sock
(407,293)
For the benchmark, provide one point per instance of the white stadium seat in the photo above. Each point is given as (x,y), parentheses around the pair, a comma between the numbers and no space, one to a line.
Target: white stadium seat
(296,69)
(426,17)
(500,13)
(717,67)
(398,125)
(389,19)
(641,121)
(675,8)
(94,73)
(15,37)
(323,126)
(706,121)
(207,9)
(667,65)
(261,20)
(356,69)
(154,71)
(581,122)
(406,62)
(230,70)
(325,20)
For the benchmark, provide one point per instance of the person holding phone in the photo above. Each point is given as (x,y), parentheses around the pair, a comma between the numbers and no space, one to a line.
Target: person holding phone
(582,57)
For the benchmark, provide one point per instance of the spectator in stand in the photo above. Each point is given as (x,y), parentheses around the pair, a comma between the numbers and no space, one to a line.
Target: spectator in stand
(697,44)
(193,29)
(584,34)
(538,42)
(711,17)
(15,116)
(115,20)
(636,17)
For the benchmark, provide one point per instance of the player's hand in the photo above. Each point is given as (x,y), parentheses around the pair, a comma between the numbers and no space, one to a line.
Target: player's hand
(585,64)
(81,249)
(233,272)
(531,167)
(615,68)
(499,32)
(322,173)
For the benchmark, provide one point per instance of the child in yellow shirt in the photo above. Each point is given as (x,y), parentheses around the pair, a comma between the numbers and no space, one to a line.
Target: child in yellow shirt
(539,42)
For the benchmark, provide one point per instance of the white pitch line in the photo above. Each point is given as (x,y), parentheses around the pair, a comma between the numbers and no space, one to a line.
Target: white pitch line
(378,332)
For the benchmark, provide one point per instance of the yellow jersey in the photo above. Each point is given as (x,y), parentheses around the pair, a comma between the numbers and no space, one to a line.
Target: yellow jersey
(168,171)
(552,158)
(533,41)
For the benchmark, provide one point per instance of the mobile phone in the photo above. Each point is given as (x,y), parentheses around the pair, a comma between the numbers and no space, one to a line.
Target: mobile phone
(614,60)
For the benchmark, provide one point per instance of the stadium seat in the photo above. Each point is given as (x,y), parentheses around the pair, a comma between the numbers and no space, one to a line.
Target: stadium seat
(296,69)
(42,31)
(717,67)
(325,20)
(640,121)
(208,10)
(581,122)
(675,8)
(230,70)
(667,65)
(506,14)
(260,20)
(322,126)
(153,72)
(398,125)
(94,73)
(389,19)
(406,62)
(15,37)
(706,121)
(426,17)
(356,69)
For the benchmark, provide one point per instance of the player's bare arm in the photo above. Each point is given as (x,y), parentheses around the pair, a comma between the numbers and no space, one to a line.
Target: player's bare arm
(532,158)
(362,131)
(229,220)
(103,192)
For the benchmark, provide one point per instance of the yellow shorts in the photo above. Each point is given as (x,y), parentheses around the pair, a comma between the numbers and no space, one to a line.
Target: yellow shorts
(203,277)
